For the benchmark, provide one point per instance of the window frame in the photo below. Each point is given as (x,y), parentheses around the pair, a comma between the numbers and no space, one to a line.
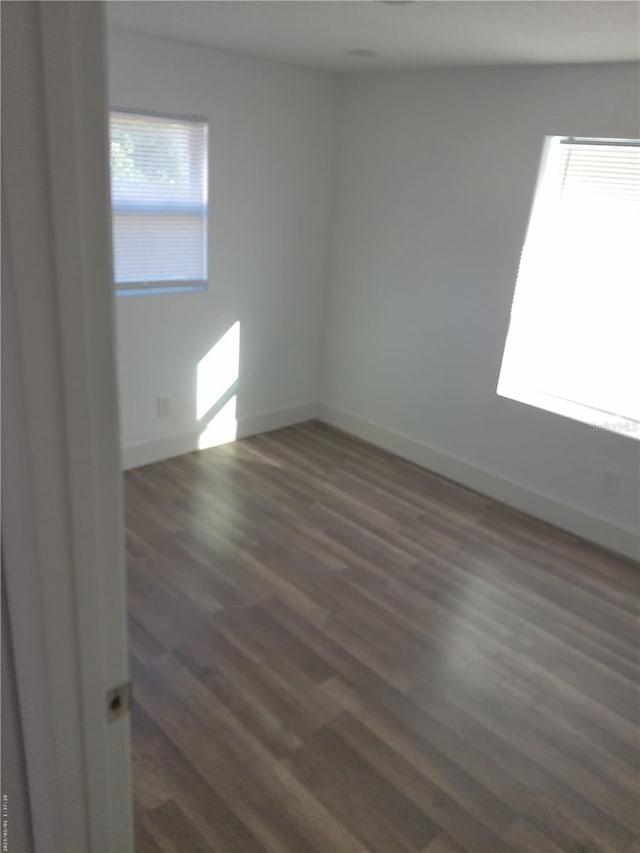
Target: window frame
(168,286)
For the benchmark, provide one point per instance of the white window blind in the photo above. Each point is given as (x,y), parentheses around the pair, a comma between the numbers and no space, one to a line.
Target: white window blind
(159,201)
(573,344)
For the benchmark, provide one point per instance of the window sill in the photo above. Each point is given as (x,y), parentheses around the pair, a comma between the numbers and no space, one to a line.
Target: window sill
(148,290)
(597,420)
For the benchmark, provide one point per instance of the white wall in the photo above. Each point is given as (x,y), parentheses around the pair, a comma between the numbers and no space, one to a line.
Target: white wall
(435,179)
(271,131)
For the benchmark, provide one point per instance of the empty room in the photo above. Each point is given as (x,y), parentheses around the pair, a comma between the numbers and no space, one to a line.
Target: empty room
(372,301)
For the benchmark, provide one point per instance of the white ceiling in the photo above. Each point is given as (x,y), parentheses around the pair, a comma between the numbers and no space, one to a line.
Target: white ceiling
(316,33)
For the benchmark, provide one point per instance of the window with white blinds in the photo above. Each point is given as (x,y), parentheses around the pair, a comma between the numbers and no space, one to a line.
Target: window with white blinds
(573,345)
(159,201)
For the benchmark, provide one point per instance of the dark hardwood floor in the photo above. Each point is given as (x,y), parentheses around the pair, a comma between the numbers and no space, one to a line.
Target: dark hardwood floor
(335,650)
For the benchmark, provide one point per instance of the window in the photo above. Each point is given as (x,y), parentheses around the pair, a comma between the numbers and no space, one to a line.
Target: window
(573,345)
(158,202)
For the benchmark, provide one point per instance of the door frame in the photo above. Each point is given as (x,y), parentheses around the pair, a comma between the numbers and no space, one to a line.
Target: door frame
(63,544)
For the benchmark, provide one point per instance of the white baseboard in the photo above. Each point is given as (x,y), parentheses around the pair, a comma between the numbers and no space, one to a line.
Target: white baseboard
(158,449)
(593,528)
(175,445)
(276,419)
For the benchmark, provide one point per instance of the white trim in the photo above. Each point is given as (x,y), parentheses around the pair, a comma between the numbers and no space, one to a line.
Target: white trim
(20,582)
(150,290)
(146,452)
(74,74)
(56,229)
(276,419)
(590,527)
(157,449)
(194,119)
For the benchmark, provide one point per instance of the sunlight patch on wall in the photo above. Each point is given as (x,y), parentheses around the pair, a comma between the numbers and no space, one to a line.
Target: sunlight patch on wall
(217,371)
(222,428)
(216,401)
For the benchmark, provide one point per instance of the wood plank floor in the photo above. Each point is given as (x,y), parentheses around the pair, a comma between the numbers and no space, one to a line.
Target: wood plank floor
(335,650)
